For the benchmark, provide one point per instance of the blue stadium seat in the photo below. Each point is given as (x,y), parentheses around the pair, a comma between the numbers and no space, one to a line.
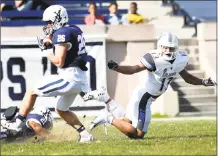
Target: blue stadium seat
(77,10)
(39,13)
(18,23)
(69,4)
(189,21)
(8,2)
(33,17)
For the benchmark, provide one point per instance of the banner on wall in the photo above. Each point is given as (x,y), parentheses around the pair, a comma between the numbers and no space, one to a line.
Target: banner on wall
(23,64)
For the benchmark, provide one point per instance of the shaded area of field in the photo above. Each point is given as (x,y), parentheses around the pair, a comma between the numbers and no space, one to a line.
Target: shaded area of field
(163,138)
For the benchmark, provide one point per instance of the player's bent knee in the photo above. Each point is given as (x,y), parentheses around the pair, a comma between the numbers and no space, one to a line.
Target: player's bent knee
(60,112)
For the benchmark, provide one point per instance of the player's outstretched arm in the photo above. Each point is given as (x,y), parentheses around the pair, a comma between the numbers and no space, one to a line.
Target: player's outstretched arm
(124,69)
(191,79)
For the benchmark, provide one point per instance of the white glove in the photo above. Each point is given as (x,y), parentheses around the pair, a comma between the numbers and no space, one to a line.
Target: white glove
(44,44)
(208,82)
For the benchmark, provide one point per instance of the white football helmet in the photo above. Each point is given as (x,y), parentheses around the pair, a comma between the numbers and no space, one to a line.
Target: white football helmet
(41,110)
(56,17)
(168,44)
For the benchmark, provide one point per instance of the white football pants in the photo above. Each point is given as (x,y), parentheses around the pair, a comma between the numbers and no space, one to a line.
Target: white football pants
(67,84)
(138,109)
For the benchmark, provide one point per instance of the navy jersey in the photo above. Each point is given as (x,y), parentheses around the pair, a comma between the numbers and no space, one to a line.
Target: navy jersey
(40,116)
(73,36)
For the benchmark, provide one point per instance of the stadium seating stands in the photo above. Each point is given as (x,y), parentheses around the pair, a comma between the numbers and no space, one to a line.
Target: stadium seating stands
(189,21)
(77,10)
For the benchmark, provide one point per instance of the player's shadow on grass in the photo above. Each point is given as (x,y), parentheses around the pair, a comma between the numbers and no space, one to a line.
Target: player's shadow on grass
(180,136)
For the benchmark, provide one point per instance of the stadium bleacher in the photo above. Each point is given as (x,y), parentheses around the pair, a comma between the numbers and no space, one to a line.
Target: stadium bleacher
(77,10)
(189,20)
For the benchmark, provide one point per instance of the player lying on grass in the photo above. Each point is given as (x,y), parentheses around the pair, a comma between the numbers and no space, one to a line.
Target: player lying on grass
(38,122)
(162,65)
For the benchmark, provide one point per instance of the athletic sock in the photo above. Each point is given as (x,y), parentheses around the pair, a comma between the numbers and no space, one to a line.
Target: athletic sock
(106,97)
(112,105)
(21,118)
(110,118)
(82,131)
(115,109)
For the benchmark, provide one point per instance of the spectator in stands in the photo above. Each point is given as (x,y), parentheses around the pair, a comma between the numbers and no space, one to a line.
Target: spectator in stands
(24,5)
(42,4)
(133,17)
(20,5)
(113,18)
(93,17)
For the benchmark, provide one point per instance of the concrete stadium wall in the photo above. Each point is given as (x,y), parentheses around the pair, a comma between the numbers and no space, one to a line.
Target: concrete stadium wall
(207,40)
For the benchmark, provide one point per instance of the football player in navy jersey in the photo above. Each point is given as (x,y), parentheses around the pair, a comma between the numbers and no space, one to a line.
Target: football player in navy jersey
(69,55)
(38,122)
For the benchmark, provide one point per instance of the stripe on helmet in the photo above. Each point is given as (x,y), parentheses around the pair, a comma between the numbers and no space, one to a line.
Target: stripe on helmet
(170,37)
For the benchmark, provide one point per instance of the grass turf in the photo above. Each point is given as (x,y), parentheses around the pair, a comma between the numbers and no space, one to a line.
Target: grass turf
(164,138)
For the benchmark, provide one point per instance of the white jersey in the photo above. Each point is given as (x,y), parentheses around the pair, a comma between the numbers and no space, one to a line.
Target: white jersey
(162,72)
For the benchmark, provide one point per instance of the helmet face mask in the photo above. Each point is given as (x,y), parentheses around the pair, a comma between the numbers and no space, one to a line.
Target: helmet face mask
(48,29)
(168,45)
(55,17)
(168,52)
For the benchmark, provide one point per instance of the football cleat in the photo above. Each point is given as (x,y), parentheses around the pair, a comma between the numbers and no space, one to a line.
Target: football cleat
(3,133)
(87,139)
(103,118)
(100,95)
(12,127)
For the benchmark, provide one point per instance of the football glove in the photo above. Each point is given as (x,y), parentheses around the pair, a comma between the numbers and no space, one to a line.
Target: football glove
(43,45)
(112,65)
(208,82)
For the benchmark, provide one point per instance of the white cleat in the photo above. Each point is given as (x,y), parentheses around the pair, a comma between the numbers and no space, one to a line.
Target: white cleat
(12,127)
(87,139)
(3,133)
(103,118)
(100,95)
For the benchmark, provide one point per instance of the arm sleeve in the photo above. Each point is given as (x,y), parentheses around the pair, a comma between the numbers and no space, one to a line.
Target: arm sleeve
(148,62)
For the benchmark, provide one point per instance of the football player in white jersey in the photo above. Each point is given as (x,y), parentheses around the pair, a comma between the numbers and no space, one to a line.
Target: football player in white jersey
(162,65)
(70,56)
(38,122)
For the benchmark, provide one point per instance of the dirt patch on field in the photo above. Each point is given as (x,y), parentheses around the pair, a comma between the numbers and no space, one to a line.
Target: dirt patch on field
(61,131)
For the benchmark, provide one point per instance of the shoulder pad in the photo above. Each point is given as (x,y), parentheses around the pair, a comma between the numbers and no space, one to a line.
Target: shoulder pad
(183,56)
(62,35)
(148,61)
(183,53)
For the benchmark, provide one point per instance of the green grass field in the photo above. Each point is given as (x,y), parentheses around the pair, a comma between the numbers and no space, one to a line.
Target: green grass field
(164,138)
